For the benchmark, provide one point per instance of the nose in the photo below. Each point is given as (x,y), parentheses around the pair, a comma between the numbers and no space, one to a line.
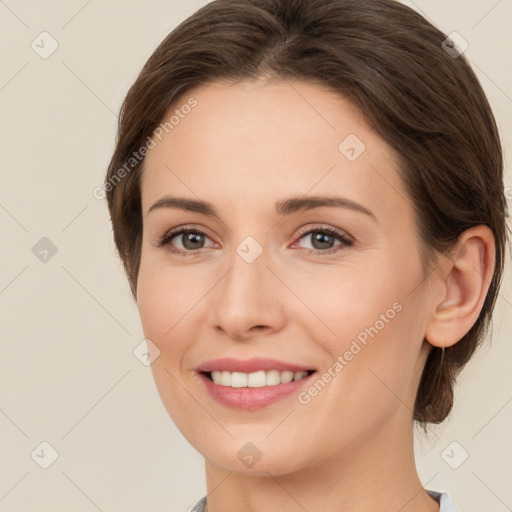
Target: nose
(248,301)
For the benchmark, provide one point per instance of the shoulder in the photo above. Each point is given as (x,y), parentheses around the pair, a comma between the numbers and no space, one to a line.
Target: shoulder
(445,503)
(199,506)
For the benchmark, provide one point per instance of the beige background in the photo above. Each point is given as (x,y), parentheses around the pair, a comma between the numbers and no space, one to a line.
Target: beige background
(68,375)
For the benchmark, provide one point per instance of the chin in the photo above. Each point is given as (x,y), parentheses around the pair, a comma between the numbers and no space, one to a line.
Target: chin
(251,459)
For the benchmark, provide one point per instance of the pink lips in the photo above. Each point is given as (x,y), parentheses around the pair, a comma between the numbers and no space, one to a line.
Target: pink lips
(251,398)
(250,365)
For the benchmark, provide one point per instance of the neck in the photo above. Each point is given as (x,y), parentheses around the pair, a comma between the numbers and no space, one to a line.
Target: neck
(377,472)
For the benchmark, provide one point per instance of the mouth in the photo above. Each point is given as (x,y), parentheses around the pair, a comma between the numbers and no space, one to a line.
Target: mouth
(252,384)
(255,390)
(257,379)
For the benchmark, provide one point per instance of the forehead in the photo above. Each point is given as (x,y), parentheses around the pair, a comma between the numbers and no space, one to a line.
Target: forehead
(255,139)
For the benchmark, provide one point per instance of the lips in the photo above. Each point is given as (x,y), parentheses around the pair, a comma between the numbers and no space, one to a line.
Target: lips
(252,394)
(251,365)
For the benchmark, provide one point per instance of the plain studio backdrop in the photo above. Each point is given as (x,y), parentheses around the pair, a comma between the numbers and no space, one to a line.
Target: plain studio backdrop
(73,395)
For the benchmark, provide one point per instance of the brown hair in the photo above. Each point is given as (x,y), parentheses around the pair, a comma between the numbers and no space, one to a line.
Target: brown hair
(426,103)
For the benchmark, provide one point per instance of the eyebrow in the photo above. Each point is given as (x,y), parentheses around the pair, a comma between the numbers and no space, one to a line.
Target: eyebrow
(283,207)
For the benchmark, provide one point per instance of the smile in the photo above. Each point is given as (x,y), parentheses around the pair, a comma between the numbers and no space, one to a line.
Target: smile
(256,379)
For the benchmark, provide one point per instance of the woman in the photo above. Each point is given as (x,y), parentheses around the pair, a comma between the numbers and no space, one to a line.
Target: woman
(308,201)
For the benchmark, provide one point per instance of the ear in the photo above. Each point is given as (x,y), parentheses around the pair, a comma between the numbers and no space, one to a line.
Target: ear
(465,278)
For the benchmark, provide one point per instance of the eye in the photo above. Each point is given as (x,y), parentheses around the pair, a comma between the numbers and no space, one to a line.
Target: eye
(190,239)
(323,240)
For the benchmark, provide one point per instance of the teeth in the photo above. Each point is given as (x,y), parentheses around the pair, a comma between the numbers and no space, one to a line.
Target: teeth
(238,380)
(255,379)
(272,378)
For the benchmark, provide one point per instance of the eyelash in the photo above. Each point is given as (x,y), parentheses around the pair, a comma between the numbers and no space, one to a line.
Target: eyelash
(345,241)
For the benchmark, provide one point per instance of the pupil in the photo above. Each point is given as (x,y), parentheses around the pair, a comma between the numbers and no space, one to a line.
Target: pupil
(323,240)
(319,237)
(192,238)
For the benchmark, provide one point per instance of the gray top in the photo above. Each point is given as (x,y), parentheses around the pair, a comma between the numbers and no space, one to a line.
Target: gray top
(445,504)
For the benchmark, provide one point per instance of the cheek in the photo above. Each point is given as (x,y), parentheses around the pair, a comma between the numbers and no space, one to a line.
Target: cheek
(165,294)
(371,319)
(342,301)
(368,374)
(152,302)
(162,302)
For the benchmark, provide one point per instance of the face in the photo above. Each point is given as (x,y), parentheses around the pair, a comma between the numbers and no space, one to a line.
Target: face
(272,270)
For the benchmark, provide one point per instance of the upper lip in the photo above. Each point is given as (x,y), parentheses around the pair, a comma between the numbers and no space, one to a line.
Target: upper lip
(250,365)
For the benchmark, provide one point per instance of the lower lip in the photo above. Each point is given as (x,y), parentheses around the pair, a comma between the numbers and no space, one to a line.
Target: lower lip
(252,398)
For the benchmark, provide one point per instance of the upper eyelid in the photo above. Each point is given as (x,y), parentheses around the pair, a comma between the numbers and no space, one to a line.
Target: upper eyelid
(305,230)
(340,232)
(301,231)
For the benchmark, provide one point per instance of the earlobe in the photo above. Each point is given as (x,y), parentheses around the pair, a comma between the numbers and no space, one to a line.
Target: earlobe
(466,276)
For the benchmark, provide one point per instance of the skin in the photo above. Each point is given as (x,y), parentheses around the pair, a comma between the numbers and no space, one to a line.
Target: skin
(245,146)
